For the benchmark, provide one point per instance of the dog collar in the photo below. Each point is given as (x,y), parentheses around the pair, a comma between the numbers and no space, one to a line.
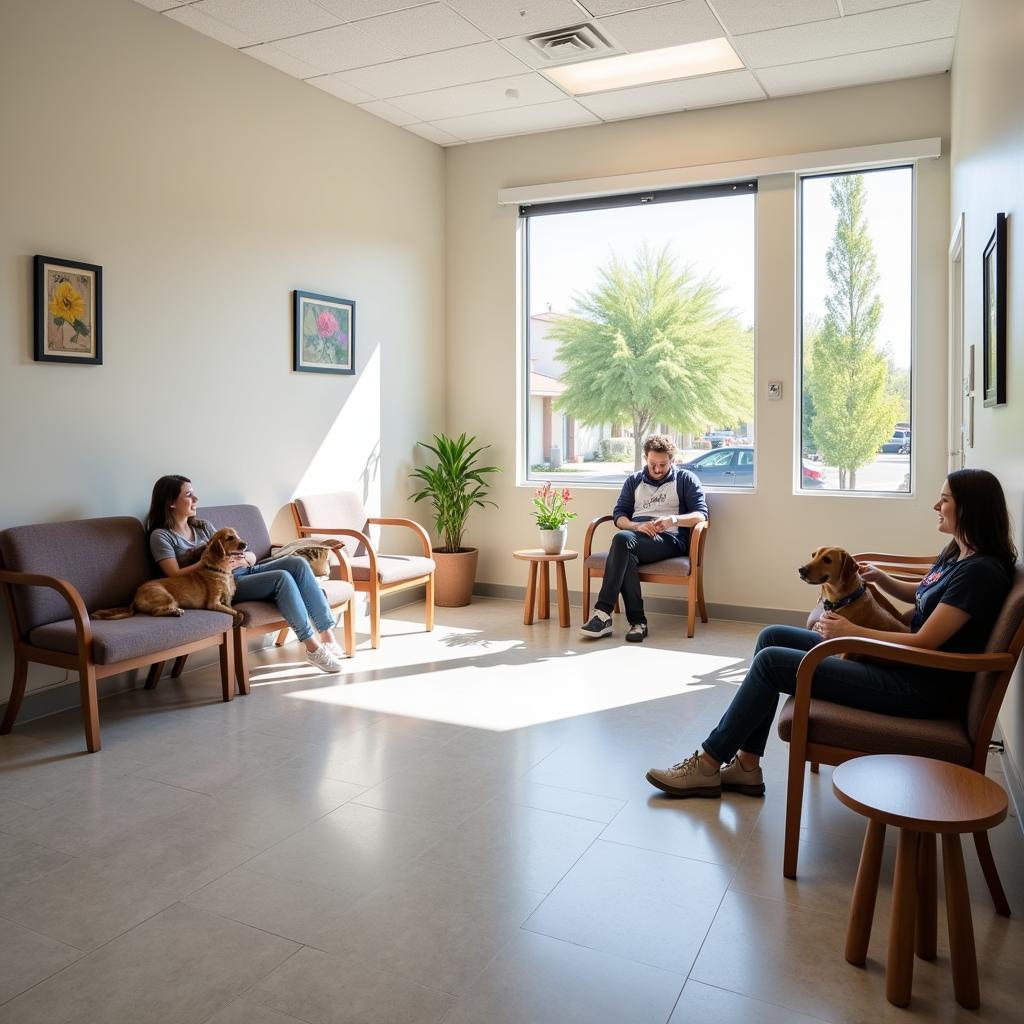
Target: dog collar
(213,568)
(834,606)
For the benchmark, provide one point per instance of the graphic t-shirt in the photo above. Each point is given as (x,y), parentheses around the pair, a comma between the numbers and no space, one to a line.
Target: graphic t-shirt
(977,585)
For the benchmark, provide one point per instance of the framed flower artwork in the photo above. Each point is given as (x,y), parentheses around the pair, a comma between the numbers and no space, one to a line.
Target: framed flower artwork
(994,325)
(325,334)
(68,300)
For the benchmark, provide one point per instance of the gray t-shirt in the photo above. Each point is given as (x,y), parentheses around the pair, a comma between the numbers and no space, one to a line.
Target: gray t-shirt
(168,544)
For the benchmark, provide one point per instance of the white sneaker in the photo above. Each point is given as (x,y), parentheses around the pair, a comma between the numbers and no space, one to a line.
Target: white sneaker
(335,651)
(324,660)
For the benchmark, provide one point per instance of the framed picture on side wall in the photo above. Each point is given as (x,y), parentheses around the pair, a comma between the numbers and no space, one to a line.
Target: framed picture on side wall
(994,304)
(68,298)
(325,334)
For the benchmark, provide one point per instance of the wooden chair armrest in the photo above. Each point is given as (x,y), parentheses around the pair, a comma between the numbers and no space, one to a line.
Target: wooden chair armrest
(591,527)
(343,562)
(409,524)
(83,625)
(698,535)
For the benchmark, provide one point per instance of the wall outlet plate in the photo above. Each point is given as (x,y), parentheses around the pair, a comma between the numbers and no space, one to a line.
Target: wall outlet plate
(775,391)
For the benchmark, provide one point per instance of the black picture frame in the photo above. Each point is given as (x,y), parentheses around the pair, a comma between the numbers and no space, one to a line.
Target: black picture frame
(68,311)
(994,311)
(325,334)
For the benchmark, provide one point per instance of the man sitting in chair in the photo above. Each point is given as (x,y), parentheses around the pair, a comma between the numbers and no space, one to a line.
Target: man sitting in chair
(654,513)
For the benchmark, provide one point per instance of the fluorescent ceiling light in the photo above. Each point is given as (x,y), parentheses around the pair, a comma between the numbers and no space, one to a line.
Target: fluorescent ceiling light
(703,58)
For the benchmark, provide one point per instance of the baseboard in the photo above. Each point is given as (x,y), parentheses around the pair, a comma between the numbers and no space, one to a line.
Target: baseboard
(667,605)
(1012,774)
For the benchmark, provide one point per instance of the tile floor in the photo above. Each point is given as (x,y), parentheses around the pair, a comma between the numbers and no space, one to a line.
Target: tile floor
(457,829)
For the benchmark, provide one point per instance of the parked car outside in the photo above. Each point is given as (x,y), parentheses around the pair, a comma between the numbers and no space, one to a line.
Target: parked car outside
(717,438)
(734,467)
(898,444)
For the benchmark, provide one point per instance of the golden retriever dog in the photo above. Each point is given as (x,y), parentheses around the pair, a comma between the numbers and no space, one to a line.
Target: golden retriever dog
(212,587)
(843,592)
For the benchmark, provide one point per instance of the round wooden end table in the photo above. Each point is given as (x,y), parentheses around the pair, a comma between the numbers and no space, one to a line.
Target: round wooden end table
(537,557)
(922,798)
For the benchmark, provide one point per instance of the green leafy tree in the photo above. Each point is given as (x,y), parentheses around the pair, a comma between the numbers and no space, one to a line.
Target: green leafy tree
(651,344)
(854,404)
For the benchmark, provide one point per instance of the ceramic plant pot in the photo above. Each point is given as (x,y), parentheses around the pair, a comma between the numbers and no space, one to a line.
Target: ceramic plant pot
(553,541)
(454,577)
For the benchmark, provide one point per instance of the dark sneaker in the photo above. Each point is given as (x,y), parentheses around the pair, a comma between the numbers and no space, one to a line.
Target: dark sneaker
(688,778)
(596,627)
(738,780)
(636,633)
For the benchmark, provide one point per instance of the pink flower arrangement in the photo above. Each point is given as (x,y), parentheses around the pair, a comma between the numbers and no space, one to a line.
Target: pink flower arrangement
(326,324)
(550,507)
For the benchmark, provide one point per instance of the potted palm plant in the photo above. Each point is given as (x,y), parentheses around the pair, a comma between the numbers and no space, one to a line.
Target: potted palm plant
(454,485)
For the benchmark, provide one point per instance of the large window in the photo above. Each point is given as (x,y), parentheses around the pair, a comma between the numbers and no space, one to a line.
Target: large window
(857,330)
(639,320)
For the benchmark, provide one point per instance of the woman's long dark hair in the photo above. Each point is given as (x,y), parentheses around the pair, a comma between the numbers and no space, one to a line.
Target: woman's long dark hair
(165,494)
(982,520)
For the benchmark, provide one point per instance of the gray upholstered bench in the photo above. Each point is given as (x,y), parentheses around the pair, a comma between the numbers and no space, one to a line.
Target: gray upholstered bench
(53,574)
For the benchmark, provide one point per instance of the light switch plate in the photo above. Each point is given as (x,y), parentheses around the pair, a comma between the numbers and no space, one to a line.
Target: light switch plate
(775,391)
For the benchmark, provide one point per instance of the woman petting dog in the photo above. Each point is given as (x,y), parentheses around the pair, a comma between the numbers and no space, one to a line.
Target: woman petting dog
(177,539)
(954,609)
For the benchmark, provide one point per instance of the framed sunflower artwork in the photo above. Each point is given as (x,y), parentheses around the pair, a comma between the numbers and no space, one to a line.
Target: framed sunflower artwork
(68,311)
(325,334)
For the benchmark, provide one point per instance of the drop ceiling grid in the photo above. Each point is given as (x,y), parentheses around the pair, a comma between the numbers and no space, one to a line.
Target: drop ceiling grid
(441,68)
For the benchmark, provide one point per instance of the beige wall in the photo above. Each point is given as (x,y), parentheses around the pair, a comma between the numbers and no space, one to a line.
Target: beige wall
(988,178)
(757,540)
(208,186)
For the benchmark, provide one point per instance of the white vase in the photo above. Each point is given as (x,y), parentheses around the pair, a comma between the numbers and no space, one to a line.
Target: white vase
(553,541)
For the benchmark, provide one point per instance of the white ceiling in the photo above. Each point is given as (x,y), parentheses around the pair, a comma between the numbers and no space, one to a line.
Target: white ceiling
(455,71)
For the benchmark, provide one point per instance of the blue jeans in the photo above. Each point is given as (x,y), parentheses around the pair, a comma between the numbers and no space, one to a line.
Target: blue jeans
(905,691)
(290,584)
(629,550)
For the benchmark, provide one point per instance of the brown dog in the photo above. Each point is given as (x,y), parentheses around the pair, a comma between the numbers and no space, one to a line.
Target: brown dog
(211,587)
(843,592)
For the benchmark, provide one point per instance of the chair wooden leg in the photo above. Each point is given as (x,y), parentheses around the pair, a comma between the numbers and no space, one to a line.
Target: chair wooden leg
(281,637)
(691,607)
(865,891)
(154,674)
(90,705)
(794,811)
(531,593)
(563,596)
(988,867)
(348,630)
(961,929)
(374,596)
(544,594)
(899,969)
(586,595)
(700,595)
(927,910)
(179,666)
(232,657)
(429,611)
(18,682)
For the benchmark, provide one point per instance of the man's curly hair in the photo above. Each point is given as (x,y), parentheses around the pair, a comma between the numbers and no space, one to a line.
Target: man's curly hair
(659,443)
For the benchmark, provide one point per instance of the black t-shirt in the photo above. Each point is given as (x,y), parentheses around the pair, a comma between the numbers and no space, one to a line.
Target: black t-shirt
(977,585)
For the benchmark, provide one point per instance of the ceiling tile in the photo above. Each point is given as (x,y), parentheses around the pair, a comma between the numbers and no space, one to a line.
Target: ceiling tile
(480,96)
(538,118)
(433,134)
(685,94)
(264,20)
(895,26)
(282,61)
(337,87)
(421,30)
(669,25)
(160,5)
(857,68)
(743,16)
(336,49)
(860,6)
(388,112)
(599,8)
(436,70)
(211,27)
(353,10)
(522,17)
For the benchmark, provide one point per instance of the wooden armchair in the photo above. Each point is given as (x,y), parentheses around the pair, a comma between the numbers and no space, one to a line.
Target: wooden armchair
(819,731)
(374,574)
(684,571)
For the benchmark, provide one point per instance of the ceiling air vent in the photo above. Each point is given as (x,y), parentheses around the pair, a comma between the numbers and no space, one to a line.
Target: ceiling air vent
(563,45)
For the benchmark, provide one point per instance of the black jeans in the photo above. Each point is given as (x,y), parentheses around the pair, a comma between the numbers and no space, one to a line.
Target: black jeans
(629,550)
(906,691)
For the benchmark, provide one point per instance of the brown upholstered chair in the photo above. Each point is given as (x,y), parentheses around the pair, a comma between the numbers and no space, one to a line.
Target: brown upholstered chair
(343,515)
(685,571)
(819,731)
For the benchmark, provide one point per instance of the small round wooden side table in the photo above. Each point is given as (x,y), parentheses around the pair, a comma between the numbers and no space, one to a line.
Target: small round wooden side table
(536,557)
(922,798)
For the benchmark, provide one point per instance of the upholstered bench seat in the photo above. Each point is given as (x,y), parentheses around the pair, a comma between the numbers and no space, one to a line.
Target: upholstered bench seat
(666,567)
